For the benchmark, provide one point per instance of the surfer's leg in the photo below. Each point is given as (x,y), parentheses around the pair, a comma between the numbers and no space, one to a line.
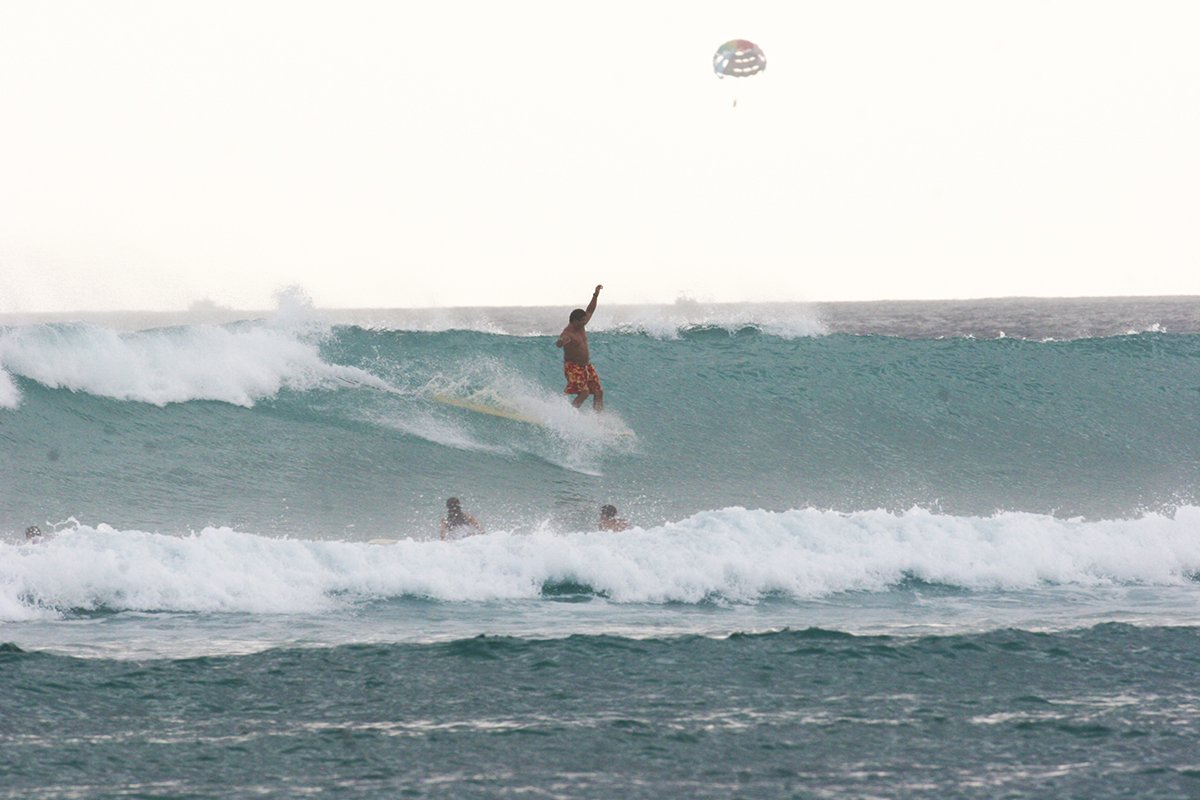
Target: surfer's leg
(593,386)
(579,398)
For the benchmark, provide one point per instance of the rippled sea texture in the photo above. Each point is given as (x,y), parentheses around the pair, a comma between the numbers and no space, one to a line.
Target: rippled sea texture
(1107,712)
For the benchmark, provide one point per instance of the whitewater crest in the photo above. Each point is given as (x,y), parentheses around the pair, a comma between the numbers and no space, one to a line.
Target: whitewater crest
(658,321)
(729,556)
(786,321)
(239,363)
(10,396)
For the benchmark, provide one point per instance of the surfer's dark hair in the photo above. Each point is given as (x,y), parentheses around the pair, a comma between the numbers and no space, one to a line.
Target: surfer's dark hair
(454,513)
(608,511)
(578,314)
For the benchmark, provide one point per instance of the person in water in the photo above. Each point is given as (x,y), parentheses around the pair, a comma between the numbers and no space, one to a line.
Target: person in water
(33,534)
(582,379)
(609,521)
(457,520)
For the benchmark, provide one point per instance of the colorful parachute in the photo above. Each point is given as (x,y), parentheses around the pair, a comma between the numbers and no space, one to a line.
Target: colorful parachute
(739,58)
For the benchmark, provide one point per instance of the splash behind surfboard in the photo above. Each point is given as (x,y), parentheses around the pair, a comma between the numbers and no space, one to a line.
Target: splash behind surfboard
(609,422)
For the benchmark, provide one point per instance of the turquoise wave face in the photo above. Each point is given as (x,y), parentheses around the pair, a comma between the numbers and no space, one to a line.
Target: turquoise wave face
(339,432)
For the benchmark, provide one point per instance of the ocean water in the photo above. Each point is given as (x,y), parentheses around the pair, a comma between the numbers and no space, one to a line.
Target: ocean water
(876,550)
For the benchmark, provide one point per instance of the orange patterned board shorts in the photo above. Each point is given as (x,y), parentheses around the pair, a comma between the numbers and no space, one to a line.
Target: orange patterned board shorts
(580,378)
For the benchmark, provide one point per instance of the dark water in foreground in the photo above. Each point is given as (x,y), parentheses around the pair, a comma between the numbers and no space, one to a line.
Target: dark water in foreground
(1111,711)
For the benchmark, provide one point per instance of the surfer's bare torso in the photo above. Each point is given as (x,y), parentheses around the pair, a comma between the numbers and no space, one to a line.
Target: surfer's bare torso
(574,345)
(573,339)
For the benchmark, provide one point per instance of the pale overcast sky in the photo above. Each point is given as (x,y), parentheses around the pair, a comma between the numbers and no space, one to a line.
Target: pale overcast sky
(157,153)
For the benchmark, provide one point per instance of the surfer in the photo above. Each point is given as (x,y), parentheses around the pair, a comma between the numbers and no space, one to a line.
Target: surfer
(33,534)
(456,519)
(609,521)
(582,379)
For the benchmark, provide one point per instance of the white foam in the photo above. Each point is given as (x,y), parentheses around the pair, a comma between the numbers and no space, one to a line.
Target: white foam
(576,438)
(734,555)
(664,321)
(10,395)
(425,426)
(238,364)
(788,321)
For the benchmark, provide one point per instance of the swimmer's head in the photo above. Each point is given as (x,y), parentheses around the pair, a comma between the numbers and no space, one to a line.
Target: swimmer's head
(33,532)
(577,315)
(608,512)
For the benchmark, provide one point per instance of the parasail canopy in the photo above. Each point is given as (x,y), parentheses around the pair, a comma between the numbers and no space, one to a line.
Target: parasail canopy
(739,58)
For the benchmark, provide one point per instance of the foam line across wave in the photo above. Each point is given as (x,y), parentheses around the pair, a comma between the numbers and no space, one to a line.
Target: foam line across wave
(732,555)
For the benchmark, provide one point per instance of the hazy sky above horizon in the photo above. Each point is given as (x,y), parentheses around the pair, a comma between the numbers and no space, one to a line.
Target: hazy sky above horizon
(155,154)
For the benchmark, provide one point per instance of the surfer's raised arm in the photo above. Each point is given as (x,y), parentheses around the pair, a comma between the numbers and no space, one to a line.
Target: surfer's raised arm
(591,309)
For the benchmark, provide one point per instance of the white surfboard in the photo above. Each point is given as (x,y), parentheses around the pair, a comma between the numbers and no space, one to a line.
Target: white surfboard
(484,408)
(610,424)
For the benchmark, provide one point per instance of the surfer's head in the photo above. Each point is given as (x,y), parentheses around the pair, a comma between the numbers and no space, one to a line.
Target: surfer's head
(608,512)
(454,513)
(577,315)
(33,532)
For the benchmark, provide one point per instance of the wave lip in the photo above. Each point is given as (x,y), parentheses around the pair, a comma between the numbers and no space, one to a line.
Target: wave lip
(731,556)
(10,395)
(787,321)
(669,321)
(239,364)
